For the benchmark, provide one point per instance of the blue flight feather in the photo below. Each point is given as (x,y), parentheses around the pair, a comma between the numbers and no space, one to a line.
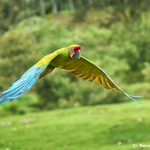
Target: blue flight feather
(23,85)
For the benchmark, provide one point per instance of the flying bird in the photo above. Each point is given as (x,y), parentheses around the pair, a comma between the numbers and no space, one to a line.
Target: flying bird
(68,58)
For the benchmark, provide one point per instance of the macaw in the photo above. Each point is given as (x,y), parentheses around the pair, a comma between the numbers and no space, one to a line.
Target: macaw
(68,58)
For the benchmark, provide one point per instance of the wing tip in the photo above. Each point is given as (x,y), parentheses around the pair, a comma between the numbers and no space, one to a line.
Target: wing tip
(134,98)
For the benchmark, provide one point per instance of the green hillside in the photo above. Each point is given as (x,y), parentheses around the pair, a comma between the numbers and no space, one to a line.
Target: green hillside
(113,127)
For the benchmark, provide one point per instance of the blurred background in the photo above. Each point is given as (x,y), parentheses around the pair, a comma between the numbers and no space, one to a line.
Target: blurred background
(115,34)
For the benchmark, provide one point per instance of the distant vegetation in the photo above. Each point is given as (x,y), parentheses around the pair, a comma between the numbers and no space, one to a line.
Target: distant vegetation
(113,34)
(13,11)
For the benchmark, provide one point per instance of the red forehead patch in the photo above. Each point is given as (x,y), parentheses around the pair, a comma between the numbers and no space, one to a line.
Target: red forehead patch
(76,48)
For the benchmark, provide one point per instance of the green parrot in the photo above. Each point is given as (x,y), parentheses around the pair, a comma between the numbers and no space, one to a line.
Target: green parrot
(68,58)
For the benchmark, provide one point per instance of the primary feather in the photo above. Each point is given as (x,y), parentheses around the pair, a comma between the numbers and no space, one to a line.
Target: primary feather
(88,70)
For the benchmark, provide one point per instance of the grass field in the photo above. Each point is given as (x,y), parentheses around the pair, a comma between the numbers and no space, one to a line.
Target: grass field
(107,127)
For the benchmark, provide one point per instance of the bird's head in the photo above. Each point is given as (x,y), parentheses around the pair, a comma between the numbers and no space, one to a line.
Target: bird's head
(74,51)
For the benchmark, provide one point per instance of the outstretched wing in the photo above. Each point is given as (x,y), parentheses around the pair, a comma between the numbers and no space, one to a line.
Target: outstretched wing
(88,70)
(28,79)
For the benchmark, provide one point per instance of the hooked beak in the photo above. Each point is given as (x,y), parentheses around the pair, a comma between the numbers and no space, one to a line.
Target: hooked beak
(78,54)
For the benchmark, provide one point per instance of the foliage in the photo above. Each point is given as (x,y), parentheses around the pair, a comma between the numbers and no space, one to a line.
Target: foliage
(116,39)
(13,11)
(14,55)
(28,104)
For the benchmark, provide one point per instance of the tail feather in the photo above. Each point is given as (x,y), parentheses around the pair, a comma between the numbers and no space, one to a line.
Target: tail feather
(135,96)
(21,86)
(132,97)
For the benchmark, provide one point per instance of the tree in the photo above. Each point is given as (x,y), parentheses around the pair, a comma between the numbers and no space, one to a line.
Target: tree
(17,54)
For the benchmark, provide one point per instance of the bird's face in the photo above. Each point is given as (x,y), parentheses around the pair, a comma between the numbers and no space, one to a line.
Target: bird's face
(75,52)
